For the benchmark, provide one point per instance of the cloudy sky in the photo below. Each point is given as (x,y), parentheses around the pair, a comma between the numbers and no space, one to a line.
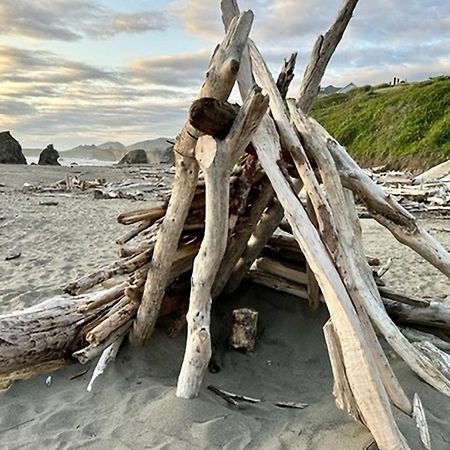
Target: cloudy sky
(89,71)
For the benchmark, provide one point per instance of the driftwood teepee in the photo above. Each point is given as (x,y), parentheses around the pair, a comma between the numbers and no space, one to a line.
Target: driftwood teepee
(239,171)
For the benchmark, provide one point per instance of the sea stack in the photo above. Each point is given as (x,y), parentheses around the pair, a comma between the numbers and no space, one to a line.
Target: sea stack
(49,157)
(10,150)
(134,157)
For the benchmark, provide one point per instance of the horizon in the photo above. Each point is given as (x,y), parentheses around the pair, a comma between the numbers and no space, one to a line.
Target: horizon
(125,73)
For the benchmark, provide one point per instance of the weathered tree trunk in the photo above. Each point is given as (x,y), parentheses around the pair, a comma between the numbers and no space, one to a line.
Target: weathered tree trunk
(216,160)
(220,79)
(370,395)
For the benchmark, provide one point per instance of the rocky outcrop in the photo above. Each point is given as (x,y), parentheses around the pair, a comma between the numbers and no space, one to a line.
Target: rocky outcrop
(49,157)
(135,157)
(10,150)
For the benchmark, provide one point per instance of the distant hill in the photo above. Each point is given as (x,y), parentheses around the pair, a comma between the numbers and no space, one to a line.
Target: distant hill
(405,126)
(151,144)
(158,150)
(337,90)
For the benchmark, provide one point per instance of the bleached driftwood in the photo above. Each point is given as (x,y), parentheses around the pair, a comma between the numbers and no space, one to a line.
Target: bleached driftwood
(341,388)
(319,59)
(368,390)
(108,355)
(219,82)
(261,193)
(216,159)
(357,275)
(421,422)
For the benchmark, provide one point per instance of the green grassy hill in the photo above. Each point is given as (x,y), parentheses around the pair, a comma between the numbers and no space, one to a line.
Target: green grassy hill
(406,126)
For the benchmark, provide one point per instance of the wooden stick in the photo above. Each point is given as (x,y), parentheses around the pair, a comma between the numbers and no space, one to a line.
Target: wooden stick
(421,422)
(222,74)
(341,388)
(259,197)
(321,54)
(422,336)
(139,215)
(216,160)
(362,373)
(108,355)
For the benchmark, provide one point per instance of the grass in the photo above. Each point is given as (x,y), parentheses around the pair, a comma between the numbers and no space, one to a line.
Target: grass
(406,126)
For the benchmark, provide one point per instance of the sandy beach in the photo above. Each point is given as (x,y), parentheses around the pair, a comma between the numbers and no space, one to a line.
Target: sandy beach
(133,405)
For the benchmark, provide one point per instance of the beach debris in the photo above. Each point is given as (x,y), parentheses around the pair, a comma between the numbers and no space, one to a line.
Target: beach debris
(244,329)
(110,194)
(291,405)
(13,255)
(228,198)
(49,203)
(78,375)
(232,398)
(48,381)
(421,422)
(384,268)
(108,355)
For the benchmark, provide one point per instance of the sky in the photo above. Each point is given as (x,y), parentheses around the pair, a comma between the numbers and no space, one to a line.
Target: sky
(90,71)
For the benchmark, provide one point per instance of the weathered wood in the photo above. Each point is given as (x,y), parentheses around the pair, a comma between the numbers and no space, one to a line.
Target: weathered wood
(151,214)
(219,82)
(383,208)
(341,388)
(349,253)
(108,355)
(275,213)
(313,286)
(212,116)
(421,336)
(259,197)
(421,422)
(361,371)
(321,54)
(244,327)
(435,315)
(216,159)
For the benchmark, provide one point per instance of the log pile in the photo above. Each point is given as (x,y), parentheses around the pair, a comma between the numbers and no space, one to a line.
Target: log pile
(417,194)
(239,171)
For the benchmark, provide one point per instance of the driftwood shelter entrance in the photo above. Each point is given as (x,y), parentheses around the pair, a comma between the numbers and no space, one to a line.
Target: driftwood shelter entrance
(241,173)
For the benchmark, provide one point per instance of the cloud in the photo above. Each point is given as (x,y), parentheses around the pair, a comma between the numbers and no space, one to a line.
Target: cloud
(384,38)
(67,102)
(70,20)
(182,70)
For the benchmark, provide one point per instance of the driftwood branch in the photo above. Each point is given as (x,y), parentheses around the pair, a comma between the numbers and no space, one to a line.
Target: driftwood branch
(216,160)
(220,79)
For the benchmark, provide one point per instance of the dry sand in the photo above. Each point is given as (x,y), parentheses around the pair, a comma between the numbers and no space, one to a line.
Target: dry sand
(133,405)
